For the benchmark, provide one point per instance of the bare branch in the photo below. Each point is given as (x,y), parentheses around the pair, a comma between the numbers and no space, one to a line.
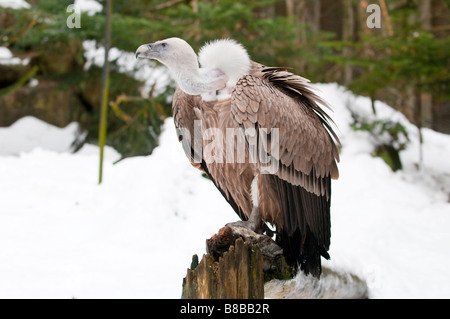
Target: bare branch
(166,4)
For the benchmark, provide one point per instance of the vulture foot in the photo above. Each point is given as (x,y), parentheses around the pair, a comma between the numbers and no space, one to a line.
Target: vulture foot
(221,242)
(259,228)
(245,224)
(254,223)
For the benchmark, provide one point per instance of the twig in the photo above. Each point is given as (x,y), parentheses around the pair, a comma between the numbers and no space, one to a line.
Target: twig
(20,82)
(166,4)
(22,33)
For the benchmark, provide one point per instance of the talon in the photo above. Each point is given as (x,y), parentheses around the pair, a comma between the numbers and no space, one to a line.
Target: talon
(267,231)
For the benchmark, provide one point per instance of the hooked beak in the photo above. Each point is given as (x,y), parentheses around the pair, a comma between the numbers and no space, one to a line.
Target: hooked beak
(146,51)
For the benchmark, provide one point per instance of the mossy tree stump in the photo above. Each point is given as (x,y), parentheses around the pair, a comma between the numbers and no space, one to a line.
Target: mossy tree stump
(236,266)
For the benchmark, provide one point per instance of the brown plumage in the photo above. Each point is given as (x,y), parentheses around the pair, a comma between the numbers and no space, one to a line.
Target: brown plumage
(295,197)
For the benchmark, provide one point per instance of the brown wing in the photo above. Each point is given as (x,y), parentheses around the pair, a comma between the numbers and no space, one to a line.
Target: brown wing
(306,156)
(184,116)
(274,98)
(183,113)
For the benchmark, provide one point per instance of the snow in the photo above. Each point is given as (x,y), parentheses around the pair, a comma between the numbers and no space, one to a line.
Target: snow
(28,133)
(14,4)
(145,71)
(90,6)
(391,228)
(5,53)
(7,58)
(62,235)
(33,83)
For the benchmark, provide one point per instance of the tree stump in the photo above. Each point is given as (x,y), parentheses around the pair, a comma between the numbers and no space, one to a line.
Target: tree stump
(236,266)
(241,264)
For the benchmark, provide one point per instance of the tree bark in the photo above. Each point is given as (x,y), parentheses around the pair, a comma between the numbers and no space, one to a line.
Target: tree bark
(237,275)
(387,18)
(426,98)
(241,264)
(348,35)
(237,265)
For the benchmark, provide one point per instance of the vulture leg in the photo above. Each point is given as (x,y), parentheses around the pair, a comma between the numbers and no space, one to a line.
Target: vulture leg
(254,222)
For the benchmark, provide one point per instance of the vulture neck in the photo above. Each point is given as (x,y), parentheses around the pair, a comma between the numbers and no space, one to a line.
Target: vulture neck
(195,81)
(223,63)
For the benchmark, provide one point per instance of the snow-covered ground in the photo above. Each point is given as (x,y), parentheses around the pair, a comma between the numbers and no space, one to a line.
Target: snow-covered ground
(62,235)
(391,228)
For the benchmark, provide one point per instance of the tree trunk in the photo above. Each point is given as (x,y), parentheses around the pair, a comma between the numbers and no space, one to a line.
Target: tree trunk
(237,275)
(387,18)
(290,4)
(241,264)
(418,121)
(237,265)
(317,14)
(348,35)
(426,98)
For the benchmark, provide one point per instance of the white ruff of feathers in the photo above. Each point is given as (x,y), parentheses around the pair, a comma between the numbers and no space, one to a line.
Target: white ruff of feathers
(224,56)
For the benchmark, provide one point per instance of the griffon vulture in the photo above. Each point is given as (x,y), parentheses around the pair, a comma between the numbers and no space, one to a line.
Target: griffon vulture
(274,152)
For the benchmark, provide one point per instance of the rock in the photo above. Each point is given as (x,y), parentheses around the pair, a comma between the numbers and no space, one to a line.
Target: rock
(10,74)
(47,101)
(60,58)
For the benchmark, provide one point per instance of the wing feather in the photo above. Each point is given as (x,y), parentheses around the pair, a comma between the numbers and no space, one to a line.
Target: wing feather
(184,115)
(307,142)
(307,156)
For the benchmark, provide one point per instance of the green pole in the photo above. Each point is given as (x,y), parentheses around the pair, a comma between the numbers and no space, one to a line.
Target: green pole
(105,88)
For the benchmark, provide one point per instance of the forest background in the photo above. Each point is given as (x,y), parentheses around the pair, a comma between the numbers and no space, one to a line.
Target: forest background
(403,61)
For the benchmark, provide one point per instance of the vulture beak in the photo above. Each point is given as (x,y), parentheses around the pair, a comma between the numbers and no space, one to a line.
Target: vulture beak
(147,51)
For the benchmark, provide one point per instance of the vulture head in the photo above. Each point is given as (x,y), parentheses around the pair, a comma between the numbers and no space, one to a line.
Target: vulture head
(223,63)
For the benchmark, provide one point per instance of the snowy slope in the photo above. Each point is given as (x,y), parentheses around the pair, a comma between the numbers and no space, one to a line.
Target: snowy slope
(391,228)
(63,236)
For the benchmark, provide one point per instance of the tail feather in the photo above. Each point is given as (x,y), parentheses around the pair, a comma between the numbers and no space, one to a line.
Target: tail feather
(304,239)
